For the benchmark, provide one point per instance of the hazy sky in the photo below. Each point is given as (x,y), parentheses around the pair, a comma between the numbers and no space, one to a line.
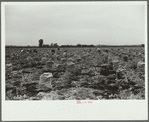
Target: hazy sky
(75,24)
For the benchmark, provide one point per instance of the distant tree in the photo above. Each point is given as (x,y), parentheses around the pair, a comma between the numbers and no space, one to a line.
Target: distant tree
(63,45)
(78,45)
(45,45)
(40,42)
(84,45)
(52,45)
(91,46)
(55,45)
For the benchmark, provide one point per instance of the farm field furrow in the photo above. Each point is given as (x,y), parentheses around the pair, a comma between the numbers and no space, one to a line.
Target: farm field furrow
(75,73)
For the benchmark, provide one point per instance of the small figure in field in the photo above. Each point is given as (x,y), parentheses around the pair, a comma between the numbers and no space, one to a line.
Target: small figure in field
(29,50)
(58,49)
(98,50)
(52,51)
(65,54)
(35,51)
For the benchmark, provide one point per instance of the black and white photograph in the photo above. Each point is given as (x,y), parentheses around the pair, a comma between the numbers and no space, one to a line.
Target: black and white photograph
(85,52)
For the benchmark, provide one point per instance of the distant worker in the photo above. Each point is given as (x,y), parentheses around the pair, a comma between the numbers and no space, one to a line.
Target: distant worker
(98,49)
(52,51)
(58,48)
(35,51)
(65,54)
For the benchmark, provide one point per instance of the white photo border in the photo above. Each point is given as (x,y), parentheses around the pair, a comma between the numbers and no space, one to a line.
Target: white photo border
(69,110)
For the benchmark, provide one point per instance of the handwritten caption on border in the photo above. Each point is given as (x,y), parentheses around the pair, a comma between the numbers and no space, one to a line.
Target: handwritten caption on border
(83,102)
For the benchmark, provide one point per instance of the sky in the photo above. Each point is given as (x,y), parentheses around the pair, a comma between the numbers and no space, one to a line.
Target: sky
(71,24)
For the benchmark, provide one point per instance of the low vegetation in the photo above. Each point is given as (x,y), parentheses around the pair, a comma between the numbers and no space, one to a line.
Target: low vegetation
(77,73)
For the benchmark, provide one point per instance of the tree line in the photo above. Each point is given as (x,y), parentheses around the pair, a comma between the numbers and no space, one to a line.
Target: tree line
(55,45)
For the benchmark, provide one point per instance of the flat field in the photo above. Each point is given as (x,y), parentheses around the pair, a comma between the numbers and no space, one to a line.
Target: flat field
(76,73)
